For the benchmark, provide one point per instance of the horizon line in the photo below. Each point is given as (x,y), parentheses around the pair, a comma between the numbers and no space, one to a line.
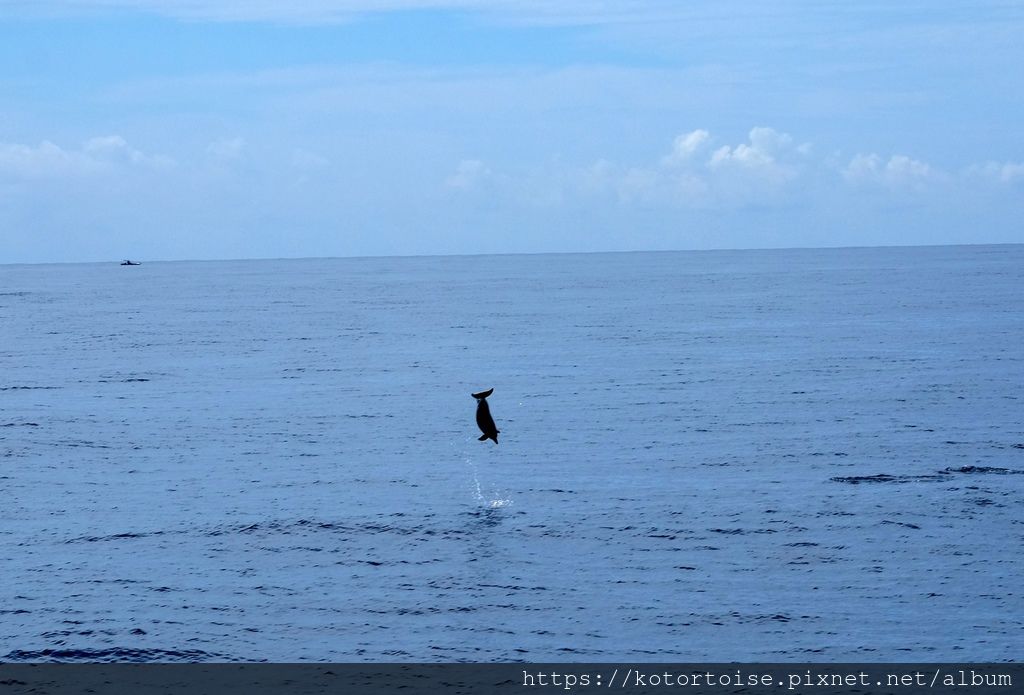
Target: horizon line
(516,253)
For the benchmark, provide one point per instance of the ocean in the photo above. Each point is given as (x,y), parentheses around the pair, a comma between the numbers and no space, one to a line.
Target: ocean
(802,455)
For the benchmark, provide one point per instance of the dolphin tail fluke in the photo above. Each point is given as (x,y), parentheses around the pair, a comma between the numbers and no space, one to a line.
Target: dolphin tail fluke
(483,394)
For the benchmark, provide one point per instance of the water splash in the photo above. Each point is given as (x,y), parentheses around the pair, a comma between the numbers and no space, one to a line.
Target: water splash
(497,500)
(476,479)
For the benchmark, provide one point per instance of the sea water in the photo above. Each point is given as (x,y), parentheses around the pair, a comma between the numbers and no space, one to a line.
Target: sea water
(744,455)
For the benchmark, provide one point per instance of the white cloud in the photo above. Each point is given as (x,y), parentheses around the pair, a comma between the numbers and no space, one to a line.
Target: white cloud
(47,159)
(468,174)
(903,170)
(900,171)
(96,155)
(685,146)
(768,169)
(862,167)
(760,161)
(114,149)
(743,155)
(1001,172)
(730,176)
(769,140)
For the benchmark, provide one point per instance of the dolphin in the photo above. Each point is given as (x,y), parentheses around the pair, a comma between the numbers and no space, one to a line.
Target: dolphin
(483,417)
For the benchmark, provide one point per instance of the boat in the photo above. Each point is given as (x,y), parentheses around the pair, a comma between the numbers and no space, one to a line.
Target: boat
(127,262)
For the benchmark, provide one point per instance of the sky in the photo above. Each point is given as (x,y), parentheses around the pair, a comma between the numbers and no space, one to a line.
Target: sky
(188,129)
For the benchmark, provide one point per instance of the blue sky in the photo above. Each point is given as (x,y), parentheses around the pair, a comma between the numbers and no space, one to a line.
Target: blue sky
(173,129)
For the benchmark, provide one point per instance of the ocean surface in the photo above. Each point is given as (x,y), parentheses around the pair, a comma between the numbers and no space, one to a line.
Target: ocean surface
(810,455)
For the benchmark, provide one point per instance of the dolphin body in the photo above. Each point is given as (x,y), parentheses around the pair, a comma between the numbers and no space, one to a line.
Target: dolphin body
(483,417)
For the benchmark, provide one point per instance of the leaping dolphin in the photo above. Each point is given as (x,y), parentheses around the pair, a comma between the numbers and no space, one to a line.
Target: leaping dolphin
(483,417)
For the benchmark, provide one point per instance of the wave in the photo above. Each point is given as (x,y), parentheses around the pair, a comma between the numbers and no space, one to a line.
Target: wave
(114,655)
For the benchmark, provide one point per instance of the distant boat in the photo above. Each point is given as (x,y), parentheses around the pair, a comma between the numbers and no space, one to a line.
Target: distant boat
(127,262)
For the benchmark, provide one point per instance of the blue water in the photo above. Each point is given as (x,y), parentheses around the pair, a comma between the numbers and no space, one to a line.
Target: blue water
(759,455)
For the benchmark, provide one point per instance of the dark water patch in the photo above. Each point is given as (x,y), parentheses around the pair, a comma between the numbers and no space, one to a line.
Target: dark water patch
(277,527)
(80,444)
(740,531)
(485,517)
(374,528)
(512,587)
(114,537)
(762,619)
(995,470)
(115,655)
(129,380)
(887,478)
(388,563)
(20,424)
(395,652)
(429,610)
(902,523)
(30,388)
(305,527)
(52,634)
(790,526)
(124,582)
